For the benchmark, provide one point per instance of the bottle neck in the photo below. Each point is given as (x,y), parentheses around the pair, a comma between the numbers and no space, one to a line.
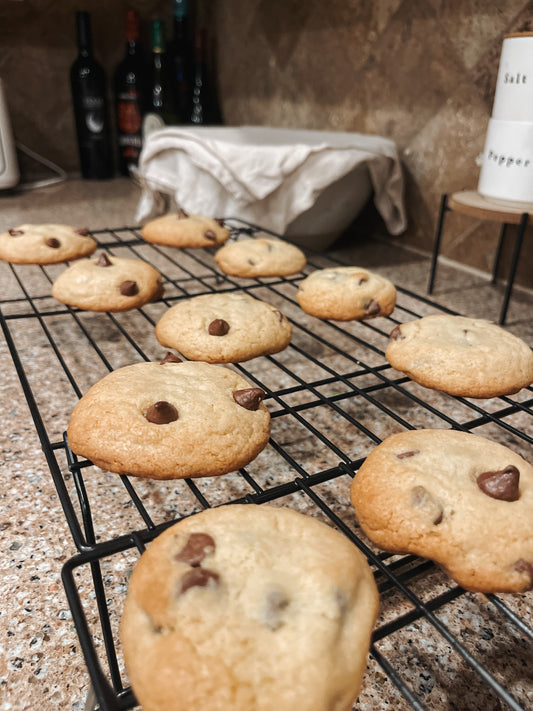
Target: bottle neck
(84,35)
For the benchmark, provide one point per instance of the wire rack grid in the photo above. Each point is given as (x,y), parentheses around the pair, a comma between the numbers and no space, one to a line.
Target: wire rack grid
(332,398)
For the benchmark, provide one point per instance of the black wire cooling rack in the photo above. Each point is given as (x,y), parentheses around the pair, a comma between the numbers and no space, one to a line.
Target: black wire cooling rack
(333,398)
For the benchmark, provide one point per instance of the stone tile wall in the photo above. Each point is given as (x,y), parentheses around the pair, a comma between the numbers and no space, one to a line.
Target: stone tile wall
(421,72)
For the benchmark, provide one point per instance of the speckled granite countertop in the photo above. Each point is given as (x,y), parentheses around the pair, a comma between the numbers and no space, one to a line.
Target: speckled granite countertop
(41,666)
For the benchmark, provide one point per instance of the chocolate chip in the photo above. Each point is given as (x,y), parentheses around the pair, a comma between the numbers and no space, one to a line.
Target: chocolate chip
(422,499)
(129,288)
(170,358)
(362,281)
(182,215)
(209,234)
(410,453)
(274,603)
(219,222)
(161,413)
(83,231)
(52,242)
(16,233)
(502,485)
(199,578)
(522,566)
(103,260)
(249,398)
(218,327)
(396,334)
(372,308)
(251,262)
(196,549)
(281,317)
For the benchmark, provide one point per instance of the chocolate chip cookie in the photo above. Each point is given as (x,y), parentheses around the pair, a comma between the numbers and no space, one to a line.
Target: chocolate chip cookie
(346,294)
(248,608)
(224,328)
(260,257)
(457,498)
(181,229)
(170,420)
(461,356)
(45,244)
(108,284)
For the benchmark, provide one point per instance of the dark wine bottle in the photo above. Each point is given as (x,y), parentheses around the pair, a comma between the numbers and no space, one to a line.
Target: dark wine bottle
(204,102)
(131,90)
(181,61)
(161,100)
(88,84)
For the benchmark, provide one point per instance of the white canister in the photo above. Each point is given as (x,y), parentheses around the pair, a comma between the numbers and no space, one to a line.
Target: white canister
(513,98)
(507,167)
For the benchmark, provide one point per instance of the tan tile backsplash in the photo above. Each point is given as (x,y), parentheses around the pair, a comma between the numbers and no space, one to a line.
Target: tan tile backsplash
(421,72)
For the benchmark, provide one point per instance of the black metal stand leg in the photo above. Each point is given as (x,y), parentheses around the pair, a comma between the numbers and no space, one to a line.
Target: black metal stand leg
(498,253)
(518,246)
(436,248)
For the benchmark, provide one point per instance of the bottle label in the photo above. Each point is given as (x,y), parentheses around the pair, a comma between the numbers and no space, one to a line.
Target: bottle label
(129,117)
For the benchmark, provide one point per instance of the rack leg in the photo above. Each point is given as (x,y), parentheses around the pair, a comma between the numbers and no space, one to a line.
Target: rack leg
(436,248)
(518,246)
(498,253)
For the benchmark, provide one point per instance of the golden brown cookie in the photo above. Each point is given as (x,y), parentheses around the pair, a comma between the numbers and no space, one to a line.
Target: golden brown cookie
(45,244)
(346,294)
(181,229)
(224,328)
(248,608)
(260,257)
(457,498)
(170,420)
(108,284)
(461,356)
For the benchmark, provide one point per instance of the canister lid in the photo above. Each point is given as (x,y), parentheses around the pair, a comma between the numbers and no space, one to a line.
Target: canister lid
(518,34)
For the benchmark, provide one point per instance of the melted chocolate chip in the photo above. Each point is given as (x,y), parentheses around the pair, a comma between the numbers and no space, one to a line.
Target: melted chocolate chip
(210,235)
(161,413)
(83,231)
(182,215)
(197,578)
(220,222)
(396,334)
(16,233)
(103,260)
(422,499)
(502,485)
(362,281)
(170,358)
(249,398)
(129,288)
(410,453)
(372,308)
(218,327)
(196,549)
(52,242)
(251,262)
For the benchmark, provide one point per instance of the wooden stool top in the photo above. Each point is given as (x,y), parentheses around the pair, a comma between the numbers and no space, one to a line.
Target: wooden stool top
(470,202)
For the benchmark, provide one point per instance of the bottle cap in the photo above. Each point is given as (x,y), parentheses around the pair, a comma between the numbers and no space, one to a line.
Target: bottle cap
(83,28)
(158,36)
(132,26)
(180,9)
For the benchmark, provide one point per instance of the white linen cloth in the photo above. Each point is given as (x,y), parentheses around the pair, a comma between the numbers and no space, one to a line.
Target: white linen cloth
(266,176)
